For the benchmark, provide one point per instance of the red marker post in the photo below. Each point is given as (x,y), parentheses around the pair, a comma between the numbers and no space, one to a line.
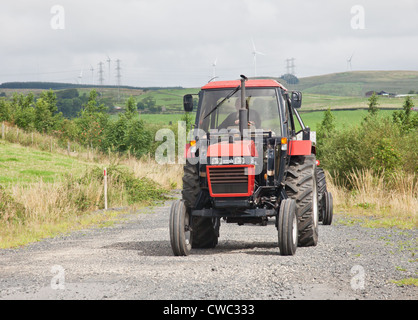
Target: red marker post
(105,187)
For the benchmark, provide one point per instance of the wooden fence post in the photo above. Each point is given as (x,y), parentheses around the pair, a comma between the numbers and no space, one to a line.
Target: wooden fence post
(105,187)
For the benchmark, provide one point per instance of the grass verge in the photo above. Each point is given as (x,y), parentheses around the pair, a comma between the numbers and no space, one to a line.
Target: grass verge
(43,194)
(374,203)
(406,282)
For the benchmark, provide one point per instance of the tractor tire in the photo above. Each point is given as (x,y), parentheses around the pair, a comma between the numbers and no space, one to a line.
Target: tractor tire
(180,232)
(301,186)
(287,227)
(328,212)
(191,185)
(322,188)
(205,230)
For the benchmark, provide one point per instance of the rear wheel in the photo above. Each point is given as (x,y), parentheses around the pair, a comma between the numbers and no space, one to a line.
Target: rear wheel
(322,188)
(205,232)
(301,186)
(287,227)
(328,212)
(180,232)
(191,186)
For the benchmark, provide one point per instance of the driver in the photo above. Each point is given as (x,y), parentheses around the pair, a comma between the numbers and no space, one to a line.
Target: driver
(233,119)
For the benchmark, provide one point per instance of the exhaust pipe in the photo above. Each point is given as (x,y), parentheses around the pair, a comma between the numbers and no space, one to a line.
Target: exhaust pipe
(243,112)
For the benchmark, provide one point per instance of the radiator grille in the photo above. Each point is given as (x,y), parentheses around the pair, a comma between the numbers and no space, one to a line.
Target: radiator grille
(228,180)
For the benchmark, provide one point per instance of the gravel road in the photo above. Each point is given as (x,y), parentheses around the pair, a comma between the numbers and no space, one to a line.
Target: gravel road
(133,260)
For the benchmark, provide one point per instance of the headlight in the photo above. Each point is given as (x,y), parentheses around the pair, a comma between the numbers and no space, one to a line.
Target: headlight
(214,161)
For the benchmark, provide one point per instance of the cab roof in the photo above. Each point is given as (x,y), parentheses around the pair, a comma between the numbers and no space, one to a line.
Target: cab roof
(261,83)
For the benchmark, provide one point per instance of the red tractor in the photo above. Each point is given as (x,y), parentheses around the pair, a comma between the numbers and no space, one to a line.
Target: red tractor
(247,164)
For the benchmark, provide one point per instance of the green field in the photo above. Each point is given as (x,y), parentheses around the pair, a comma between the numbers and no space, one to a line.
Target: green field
(323,102)
(162,119)
(22,165)
(174,103)
(172,100)
(343,118)
(357,83)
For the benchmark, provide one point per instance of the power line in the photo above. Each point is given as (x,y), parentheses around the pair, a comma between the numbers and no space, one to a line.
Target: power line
(118,76)
(108,65)
(290,66)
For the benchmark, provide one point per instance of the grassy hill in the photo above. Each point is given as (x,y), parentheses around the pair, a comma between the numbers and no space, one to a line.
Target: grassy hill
(357,83)
(345,90)
(23,166)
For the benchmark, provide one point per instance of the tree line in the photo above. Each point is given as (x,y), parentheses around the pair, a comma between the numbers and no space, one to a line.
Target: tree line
(90,125)
(384,144)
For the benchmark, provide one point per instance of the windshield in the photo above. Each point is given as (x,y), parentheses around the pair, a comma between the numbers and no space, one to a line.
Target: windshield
(262,104)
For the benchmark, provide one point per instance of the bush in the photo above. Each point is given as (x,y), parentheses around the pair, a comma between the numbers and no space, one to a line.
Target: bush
(406,121)
(122,183)
(5,114)
(114,135)
(325,130)
(377,144)
(138,139)
(22,110)
(92,121)
(373,109)
(10,209)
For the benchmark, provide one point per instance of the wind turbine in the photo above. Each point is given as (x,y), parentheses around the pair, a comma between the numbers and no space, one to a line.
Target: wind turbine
(349,67)
(255,52)
(92,74)
(80,77)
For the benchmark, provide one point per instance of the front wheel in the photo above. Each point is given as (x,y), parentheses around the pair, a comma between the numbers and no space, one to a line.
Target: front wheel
(287,227)
(301,185)
(180,231)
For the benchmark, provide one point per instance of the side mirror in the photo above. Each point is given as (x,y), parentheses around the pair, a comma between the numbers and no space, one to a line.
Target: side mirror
(188,103)
(296,100)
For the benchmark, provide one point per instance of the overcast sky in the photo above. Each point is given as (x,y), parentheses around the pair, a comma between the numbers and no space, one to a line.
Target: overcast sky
(176,42)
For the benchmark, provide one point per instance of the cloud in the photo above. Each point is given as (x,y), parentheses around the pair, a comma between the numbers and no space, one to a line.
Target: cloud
(163,42)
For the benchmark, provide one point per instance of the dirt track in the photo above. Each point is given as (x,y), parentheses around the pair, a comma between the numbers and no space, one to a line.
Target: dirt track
(133,260)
